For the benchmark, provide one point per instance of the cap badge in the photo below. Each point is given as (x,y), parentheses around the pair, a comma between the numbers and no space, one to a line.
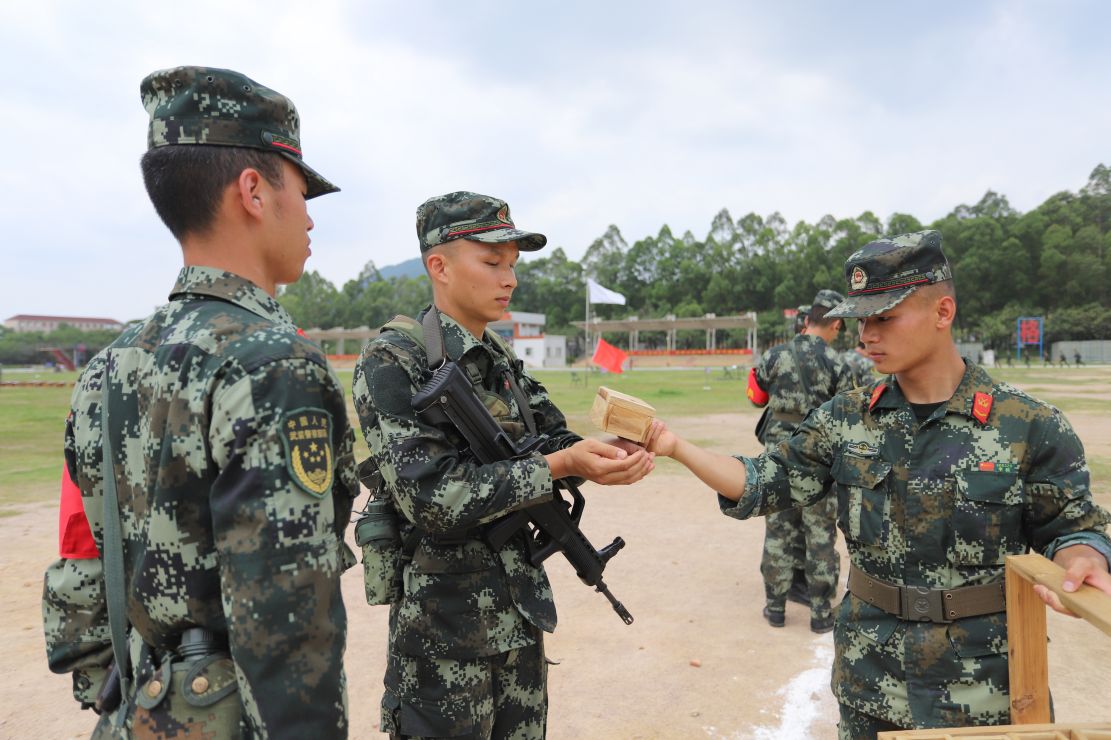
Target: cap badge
(858,279)
(503,215)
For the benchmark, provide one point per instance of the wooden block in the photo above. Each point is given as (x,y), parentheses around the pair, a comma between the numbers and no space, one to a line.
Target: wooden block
(620,414)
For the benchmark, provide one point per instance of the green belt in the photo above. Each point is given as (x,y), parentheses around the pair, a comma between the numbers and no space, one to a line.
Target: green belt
(920,604)
(788,418)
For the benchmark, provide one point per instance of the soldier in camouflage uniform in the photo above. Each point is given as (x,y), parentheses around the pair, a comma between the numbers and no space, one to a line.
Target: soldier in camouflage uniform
(939,472)
(859,363)
(466,654)
(231,450)
(791,379)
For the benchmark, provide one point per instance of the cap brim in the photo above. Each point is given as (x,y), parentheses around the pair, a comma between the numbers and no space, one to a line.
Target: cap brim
(315,183)
(861,306)
(527,241)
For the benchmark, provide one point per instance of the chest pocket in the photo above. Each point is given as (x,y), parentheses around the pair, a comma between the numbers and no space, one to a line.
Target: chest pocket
(862,498)
(987,517)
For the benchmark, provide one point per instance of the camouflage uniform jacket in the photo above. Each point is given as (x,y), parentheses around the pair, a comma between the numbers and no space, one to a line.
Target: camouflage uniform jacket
(235,478)
(860,366)
(936,505)
(460,600)
(780,376)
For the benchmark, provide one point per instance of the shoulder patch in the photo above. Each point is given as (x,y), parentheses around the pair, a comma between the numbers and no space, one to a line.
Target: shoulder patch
(981,407)
(876,393)
(307,436)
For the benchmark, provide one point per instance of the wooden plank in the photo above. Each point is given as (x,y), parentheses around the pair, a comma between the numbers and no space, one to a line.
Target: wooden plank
(618,413)
(1087,602)
(1064,731)
(1028,649)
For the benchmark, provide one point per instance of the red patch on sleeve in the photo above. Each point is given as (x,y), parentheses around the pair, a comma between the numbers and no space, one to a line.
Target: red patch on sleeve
(755,393)
(981,407)
(75,539)
(876,393)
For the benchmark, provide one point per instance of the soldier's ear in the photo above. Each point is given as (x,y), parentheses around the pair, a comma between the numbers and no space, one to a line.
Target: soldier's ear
(946,311)
(435,263)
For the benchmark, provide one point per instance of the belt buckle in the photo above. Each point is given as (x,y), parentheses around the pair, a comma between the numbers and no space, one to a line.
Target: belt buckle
(921,604)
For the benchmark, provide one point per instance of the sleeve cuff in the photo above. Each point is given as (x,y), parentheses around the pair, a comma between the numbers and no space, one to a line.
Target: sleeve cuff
(1096,540)
(746,505)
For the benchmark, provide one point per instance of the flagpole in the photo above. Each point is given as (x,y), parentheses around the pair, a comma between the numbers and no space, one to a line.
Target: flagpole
(586,327)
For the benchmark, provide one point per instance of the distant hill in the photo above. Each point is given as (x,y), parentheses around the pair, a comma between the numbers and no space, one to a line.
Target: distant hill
(409,268)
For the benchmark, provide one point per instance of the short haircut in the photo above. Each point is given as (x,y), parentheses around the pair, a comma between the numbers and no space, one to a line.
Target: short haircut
(818,317)
(186,182)
(933,291)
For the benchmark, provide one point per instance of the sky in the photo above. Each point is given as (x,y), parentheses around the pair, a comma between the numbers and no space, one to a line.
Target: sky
(579,114)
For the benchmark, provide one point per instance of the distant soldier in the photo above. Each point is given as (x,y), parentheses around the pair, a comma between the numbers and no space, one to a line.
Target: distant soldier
(860,364)
(1076,358)
(792,379)
(212,453)
(1064,361)
(800,318)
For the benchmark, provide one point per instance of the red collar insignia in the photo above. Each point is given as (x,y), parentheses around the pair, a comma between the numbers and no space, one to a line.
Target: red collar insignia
(876,393)
(981,407)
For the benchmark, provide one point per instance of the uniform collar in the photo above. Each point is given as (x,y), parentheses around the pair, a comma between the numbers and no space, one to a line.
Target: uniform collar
(227,286)
(975,380)
(457,340)
(805,338)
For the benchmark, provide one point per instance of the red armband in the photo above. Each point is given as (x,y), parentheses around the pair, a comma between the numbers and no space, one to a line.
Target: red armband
(75,539)
(755,393)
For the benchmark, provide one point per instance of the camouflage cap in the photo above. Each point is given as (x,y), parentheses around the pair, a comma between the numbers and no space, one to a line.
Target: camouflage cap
(466,215)
(884,272)
(219,107)
(827,299)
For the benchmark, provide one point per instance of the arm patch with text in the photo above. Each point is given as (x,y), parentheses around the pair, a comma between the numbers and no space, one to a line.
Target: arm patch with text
(307,436)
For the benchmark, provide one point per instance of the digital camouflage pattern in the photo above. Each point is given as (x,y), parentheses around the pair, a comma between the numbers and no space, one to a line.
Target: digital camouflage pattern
(466,215)
(461,601)
(860,366)
(502,696)
(937,505)
(222,529)
(204,105)
(800,538)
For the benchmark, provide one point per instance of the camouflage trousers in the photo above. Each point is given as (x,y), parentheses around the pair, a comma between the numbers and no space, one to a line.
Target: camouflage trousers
(856,725)
(813,531)
(499,696)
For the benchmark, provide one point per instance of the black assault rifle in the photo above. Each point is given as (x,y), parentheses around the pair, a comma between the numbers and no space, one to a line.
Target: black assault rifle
(550,526)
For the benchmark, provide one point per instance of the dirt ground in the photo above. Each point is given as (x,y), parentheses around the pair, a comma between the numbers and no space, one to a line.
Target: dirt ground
(698,662)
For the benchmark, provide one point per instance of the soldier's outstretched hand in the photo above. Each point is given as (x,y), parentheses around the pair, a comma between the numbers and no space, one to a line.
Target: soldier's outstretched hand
(661,440)
(601,463)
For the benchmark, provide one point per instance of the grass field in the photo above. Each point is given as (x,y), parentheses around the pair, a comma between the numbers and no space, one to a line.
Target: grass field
(32,419)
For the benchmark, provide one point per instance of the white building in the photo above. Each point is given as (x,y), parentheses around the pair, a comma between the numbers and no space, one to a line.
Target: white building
(27,322)
(525,332)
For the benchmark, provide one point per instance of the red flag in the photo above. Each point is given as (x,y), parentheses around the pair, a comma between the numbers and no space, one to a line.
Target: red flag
(608,356)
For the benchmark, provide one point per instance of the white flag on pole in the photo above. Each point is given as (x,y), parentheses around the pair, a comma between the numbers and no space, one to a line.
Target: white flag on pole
(600,294)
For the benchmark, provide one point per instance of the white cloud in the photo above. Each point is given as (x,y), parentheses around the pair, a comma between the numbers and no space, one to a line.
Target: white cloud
(580,116)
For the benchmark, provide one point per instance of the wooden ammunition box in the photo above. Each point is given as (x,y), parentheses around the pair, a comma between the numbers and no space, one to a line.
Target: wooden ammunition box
(623,415)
